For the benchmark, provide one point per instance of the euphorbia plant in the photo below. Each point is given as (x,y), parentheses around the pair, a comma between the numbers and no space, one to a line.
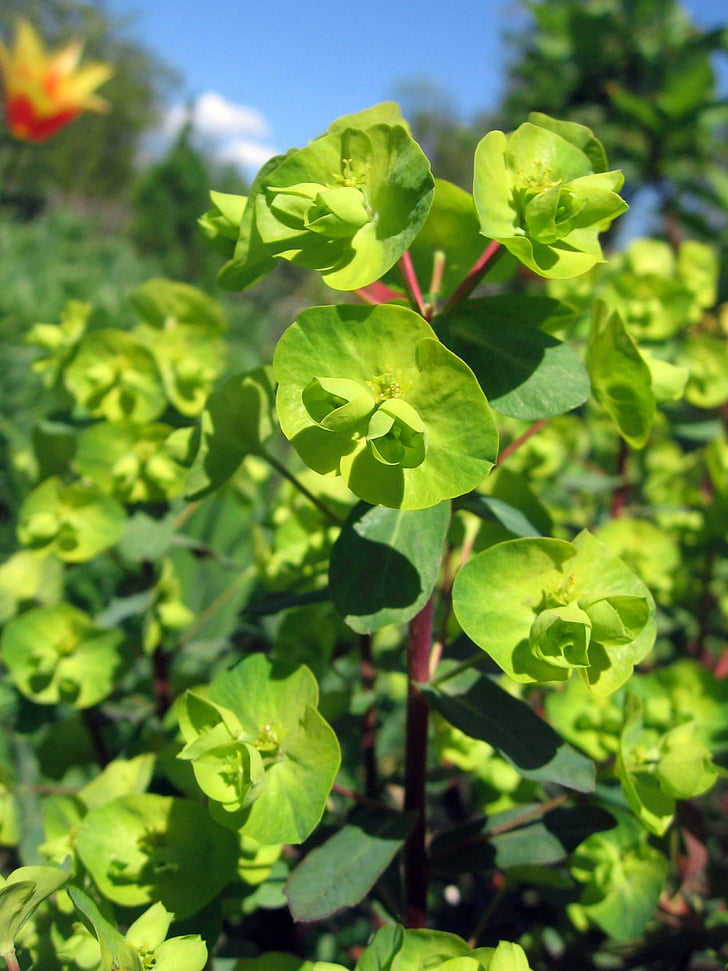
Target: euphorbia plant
(284,622)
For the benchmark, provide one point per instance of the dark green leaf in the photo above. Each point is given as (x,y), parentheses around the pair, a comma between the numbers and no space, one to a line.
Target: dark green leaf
(385,562)
(237,420)
(524,372)
(546,839)
(343,870)
(481,709)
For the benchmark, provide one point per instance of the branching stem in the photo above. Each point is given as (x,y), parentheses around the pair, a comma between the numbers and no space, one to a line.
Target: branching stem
(475,274)
(412,284)
(283,471)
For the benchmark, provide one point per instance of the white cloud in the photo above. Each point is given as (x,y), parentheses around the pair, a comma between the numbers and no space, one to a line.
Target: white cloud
(233,133)
(247,154)
(214,115)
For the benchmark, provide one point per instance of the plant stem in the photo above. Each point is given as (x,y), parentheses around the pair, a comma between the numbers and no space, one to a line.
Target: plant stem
(619,497)
(411,283)
(10,960)
(475,274)
(369,720)
(416,863)
(162,691)
(283,471)
(516,444)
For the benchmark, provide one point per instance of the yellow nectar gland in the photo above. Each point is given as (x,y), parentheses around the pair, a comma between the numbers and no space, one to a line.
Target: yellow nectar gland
(385,386)
(349,176)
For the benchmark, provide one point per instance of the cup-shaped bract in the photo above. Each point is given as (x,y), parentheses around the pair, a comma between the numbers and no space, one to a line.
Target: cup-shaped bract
(371,394)
(75,522)
(260,750)
(56,654)
(348,205)
(543,608)
(543,192)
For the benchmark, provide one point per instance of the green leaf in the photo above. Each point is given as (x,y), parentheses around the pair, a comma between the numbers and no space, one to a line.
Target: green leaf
(624,878)
(548,838)
(113,376)
(143,847)
(499,594)
(57,654)
(620,378)
(385,562)
(130,461)
(236,421)
(116,954)
(275,706)
(341,871)
(76,522)
(20,894)
(481,709)
(158,301)
(524,372)
(537,192)
(393,354)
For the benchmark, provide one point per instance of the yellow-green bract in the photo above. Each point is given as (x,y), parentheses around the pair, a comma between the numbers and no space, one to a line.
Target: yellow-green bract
(371,394)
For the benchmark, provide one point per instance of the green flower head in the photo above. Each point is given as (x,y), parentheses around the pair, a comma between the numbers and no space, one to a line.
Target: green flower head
(543,192)
(348,205)
(370,393)
(555,607)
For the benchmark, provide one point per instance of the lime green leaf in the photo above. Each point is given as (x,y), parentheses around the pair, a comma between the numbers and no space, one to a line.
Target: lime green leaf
(620,378)
(20,894)
(538,193)
(221,224)
(116,954)
(76,522)
(393,355)
(624,877)
(142,848)
(525,578)
(340,872)
(384,564)
(28,577)
(160,302)
(57,654)
(271,709)
(132,462)
(113,376)
(347,205)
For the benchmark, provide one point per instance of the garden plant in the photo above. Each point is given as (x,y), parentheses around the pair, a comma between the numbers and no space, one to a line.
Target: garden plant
(402,649)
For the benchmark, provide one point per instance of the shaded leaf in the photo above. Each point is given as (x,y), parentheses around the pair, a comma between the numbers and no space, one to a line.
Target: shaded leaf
(385,562)
(343,870)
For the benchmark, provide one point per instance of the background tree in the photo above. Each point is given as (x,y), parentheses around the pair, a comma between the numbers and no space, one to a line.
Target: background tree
(641,72)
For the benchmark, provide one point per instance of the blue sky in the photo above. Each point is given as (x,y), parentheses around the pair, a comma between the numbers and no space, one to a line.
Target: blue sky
(271,75)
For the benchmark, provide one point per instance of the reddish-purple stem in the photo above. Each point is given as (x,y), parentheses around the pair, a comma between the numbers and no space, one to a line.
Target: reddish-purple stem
(369,721)
(510,449)
(619,496)
(475,275)
(416,863)
(411,283)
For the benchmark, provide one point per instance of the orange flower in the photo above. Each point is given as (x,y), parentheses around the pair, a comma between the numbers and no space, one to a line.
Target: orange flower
(45,90)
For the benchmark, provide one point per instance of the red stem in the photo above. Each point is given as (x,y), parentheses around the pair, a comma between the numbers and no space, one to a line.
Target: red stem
(510,449)
(369,721)
(411,283)
(416,863)
(476,273)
